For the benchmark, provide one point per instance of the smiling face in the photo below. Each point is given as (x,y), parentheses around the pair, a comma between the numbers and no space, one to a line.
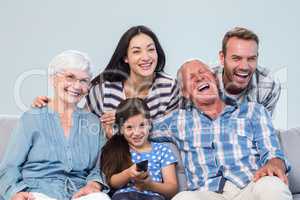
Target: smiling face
(239,63)
(71,85)
(199,83)
(136,131)
(141,56)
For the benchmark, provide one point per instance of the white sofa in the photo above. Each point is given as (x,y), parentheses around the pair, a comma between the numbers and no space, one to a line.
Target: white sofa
(290,141)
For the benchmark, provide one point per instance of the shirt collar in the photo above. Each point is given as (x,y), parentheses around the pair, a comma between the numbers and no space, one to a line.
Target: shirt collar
(77,112)
(230,105)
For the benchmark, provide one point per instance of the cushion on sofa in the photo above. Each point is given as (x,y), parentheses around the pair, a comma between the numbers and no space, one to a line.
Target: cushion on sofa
(296,197)
(7,124)
(290,141)
(181,178)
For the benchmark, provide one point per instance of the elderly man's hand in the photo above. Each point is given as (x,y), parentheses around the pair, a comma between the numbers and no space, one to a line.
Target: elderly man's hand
(90,187)
(23,196)
(274,167)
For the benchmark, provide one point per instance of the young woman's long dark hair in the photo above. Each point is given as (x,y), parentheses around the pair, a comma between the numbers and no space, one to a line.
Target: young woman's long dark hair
(117,69)
(115,154)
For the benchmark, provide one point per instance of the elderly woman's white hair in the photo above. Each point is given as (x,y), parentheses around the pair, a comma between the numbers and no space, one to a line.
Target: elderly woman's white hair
(70,59)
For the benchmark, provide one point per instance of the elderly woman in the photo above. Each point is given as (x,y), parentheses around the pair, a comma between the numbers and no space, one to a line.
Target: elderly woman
(53,153)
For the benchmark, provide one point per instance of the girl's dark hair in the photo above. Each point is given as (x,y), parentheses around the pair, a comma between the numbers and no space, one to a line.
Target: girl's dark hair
(117,70)
(115,154)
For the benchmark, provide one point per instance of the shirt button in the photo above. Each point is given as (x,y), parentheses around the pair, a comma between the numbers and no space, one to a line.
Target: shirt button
(68,169)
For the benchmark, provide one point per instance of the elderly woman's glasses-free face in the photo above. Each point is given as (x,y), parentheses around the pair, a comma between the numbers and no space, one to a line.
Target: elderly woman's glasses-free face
(71,79)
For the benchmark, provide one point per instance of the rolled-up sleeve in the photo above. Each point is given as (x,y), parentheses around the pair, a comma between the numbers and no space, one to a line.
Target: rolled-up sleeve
(95,174)
(94,99)
(11,180)
(174,97)
(266,138)
(272,96)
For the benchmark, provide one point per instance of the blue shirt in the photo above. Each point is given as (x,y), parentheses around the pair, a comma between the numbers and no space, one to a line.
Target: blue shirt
(159,157)
(40,158)
(233,146)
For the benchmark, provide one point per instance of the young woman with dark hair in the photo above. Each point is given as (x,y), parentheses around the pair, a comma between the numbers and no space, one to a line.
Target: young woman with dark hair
(134,70)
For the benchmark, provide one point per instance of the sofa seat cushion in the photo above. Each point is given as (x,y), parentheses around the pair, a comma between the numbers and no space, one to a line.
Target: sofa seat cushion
(7,124)
(296,197)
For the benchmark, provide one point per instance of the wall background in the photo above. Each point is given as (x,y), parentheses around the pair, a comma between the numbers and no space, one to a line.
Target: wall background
(34,31)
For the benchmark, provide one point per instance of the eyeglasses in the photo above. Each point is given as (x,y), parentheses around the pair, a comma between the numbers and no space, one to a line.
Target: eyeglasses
(71,78)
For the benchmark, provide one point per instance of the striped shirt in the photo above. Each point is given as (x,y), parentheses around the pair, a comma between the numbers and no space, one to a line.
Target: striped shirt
(231,147)
(163,96)
(261,89)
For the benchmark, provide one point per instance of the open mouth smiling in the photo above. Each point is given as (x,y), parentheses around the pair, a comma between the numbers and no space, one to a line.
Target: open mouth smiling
(73,93)
(146,66)
(203,87)
(242,74)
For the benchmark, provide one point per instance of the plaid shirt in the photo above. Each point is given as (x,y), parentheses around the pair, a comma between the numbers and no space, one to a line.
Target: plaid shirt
(261,89)
(231,147)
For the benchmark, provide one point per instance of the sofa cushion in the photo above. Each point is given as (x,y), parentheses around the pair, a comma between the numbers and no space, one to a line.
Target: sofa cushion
(296,197)
(290,141)
(7,124)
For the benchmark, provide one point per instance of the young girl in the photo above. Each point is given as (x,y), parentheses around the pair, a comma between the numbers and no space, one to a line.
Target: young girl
(131,145)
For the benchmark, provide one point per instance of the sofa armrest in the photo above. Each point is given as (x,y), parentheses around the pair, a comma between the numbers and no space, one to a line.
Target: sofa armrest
(290,141)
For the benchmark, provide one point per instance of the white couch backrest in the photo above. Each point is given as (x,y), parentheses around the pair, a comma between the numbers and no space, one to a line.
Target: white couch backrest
(7,124)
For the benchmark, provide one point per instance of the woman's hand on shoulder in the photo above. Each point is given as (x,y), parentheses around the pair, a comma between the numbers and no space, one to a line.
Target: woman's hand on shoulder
(40,101)
(23,196)
(90,187)
(107,120)
(108,117)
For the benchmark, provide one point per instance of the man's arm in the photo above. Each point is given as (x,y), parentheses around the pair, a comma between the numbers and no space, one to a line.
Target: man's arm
(273,96)
(272,158)
(163,128)
(269,90)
